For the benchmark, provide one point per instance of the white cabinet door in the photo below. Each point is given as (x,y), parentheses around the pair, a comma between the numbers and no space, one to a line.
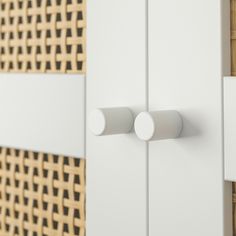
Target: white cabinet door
(187,64)
(116,77)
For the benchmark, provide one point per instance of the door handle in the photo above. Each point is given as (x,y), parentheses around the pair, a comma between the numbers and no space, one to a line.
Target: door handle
(109,121)
(156,125)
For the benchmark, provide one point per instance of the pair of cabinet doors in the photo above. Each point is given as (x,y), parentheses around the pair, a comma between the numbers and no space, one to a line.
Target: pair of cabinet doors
(148,56)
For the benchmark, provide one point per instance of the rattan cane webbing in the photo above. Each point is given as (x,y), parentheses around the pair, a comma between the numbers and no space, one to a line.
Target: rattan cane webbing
(41,194)
(42,36)
(234,209)
(233,37)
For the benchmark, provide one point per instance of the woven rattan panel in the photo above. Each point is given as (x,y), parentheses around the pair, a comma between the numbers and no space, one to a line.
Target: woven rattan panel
(41,194)
(42,36)
(233,37)
(234,208)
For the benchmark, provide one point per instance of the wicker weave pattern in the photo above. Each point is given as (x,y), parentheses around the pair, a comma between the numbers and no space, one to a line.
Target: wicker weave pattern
(41,194)
(233,37)
(42,36)
(234,209)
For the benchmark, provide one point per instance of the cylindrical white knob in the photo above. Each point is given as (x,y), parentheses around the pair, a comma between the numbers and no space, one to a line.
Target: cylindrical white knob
(108,121)
(156,125)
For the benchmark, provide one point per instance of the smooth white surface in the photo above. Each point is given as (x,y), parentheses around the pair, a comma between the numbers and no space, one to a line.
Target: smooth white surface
(43,113)
(97,122)
(157,125)
(144,126)
(186,74)
(116,172)
(230,127)
(109,121)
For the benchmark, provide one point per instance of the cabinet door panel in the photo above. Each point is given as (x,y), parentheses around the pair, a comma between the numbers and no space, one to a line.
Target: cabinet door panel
(186,175)
(116,165)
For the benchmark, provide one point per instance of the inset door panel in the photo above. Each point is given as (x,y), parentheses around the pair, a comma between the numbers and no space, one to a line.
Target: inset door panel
(42,117)
(186,74)
(116,164)
(43,112)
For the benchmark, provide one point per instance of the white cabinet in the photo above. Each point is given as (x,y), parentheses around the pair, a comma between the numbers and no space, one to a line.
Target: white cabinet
(152,56)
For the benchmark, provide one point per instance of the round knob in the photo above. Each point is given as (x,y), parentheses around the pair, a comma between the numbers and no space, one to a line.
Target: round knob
(156,125)
(108,121)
